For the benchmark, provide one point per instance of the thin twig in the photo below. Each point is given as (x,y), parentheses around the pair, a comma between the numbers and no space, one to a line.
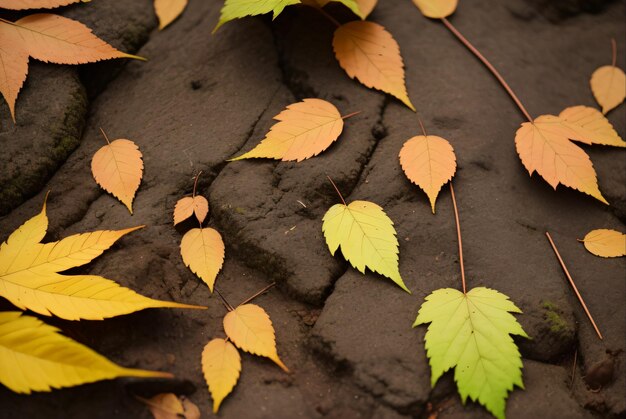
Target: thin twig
(226,304)
(105,136)
(571,281)
(458,235)
(195,183)
(489,66)
(337,189)
(264,290)
(614,50)
(351,115)
(422,126)
(571,386)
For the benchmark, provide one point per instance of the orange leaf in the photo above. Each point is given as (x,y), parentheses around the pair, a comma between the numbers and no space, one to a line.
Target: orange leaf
(202,250)
(366,50)
(185,207)
(169,406)
(117,168)
(543,146)
(589,126)
(429,162)
(608,84)
(221,365)
(366,7)
(168,10)
(606,243)
(436,9)
(13,68)
(304,130)
(250,328)
(36,4)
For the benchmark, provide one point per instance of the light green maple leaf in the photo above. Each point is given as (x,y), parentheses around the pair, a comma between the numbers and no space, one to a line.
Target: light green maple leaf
(236,9)
(366,236)
(472,334)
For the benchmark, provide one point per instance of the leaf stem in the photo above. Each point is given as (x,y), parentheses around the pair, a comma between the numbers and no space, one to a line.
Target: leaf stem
(487,64)
(264,290)
(571,281)
(105,136)
(323,12)
(337,189)
(458,235)
(195,184)
(422,126)
(614,51)
(350,115)
(226,304)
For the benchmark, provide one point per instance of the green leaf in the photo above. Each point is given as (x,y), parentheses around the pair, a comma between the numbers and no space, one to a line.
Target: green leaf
(366,236)
(471,333)
(236,9)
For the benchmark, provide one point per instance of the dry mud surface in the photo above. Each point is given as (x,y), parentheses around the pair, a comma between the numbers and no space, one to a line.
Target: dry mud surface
(201,99)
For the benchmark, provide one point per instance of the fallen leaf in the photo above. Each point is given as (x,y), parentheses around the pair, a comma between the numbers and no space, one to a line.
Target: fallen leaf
(35,357)
(236,9)
(202,250)
(250,328)
(366,236)
(165,406)
(366,50)
(608,84)
(117,167)
(168,10)
(221,365)
(191,410)
(606,243)
(49,38)
(30,278)
(471,333)
(36,4)
(361,8)
(187,206)
(589,126)
(366,7)
(429,162)
(304,130)
(436,9)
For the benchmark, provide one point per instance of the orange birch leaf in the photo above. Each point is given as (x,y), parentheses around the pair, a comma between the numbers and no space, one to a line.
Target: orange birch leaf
(13,68)
(117,168)
(187,206)
(250,328)
(436,9)
(36,4)
(202,250)
(366,51)
(605,243)
(589,126)
(221,365)
(429,162)
(304,130)
(168,10)
(608,84)
(543,146)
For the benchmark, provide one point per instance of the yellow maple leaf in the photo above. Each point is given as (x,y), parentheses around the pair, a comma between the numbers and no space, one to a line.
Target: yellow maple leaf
(30,275)
(221,365)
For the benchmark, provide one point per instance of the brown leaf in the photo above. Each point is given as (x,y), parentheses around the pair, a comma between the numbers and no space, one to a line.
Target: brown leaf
(366,50)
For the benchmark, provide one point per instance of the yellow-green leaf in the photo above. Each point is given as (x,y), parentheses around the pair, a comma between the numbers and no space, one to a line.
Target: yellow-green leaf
(606,243)
(221,365)
(202,250)
(366,237)
(35,357)
(236,9)
(472,334)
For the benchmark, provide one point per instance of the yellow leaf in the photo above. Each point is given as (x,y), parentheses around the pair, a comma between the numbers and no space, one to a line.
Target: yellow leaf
(304,130)
(13,68)
(366,236)
(221,366)
(117,168)
(30,278)
(543,146)
(429,162)
(436,9)
(35,357)
(185,207)
(202,250)
(606,243)
(36,4)
(168,10)
(170,406)
(366,7)
(366,50)
(589,126)
(608,85)
(250,328)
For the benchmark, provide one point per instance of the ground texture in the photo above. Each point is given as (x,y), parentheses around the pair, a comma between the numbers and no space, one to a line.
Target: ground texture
(347,337)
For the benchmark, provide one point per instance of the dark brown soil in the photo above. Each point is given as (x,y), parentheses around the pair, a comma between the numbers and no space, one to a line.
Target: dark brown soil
(201,99)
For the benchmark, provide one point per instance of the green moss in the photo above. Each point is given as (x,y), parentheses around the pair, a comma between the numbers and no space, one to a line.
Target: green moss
(554,318)
(240,210)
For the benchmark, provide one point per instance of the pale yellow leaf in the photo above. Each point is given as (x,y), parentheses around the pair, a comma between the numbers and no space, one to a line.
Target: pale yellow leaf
(13,67)
(429,162)
(250,328)
(117,168)
(608,84)
(202,250)
(36,4)
(168,10)
(544,147)
(606,243)
(304,130)
(366,50)
(221,365)
(185,207)
(436,9)
(589,126)
(35,357)
(30,275)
